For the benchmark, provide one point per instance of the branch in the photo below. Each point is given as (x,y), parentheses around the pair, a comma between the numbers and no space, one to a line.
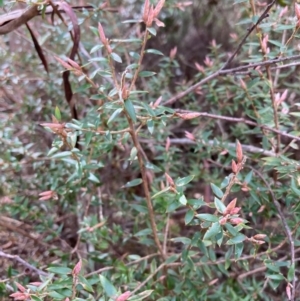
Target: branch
(12,20)
(260,19)
(242,120)
(20,18)
(247,148)
(228,71)
(23,262)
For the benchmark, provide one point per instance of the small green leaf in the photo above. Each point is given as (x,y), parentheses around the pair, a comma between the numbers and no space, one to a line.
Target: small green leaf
(189,216)
(109,289)
(152,30)
(114,115)
(207,217)
(150,126)
(237,239)
(160,192)
(130,109)
(141,296)
(212,231)
(133,183)
(184,240)
(60,270)
(116,57)
(219,205)
(34,298)
(154,51)
(291,273)
(183,200)
(184,181)
(57,113)
(93,178)
(216,190)
(62,155)
(146,73)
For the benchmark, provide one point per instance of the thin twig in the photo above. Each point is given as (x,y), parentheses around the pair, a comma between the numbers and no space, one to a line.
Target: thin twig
(247,148)
(23,262)
(242,120)
(285,226)
(226,72)
(260,19)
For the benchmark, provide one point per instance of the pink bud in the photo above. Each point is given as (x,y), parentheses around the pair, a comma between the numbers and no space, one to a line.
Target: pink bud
(189,136)
(288,291)
(260,236)
(102,34)
(188,116)
(235,210)
(283,12)
(77,268)
(124,296)
(297,11)
(239,152)
(168,143)
(230,206)
(169,180)
(223,220)
(237,221)
(173,53)
(158,8)
(199,67)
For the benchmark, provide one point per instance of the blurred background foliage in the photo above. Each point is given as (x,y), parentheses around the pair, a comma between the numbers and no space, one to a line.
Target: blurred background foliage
(98,212)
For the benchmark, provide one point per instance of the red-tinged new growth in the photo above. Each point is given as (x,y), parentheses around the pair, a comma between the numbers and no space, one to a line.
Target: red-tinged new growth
(199,67)
(239,152)
(188,116)
(297,11)
(20,296)
(230,207)
(168,144)
(77,268)
(20,287)
(150,13)
(170,180)
(236,220)
(47,195)
(223,220)
(71,66)
(234,167)
(289,291)
(124,296)
(173,53)
(189,135)
(260,236)
(264,44)
(243,84)
(103,38)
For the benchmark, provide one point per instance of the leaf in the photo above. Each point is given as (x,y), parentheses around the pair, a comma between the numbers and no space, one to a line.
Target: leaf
(116,57)
(236,240)
(291,273)
(141,296)
(146,73)
(219,205)
(216,190)
(114,115)
(183,200)
(184,240)
(109,289)
(150,126)
(189,216)
(160,192)
(93,178)
(130,109)
(60,270)
(133,183)
(62,155)
(154,51)
(207,217)
(212,231)
(152,30)
(184,181)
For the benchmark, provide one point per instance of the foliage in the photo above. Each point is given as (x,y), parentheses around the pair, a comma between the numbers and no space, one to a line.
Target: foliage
(163,183)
